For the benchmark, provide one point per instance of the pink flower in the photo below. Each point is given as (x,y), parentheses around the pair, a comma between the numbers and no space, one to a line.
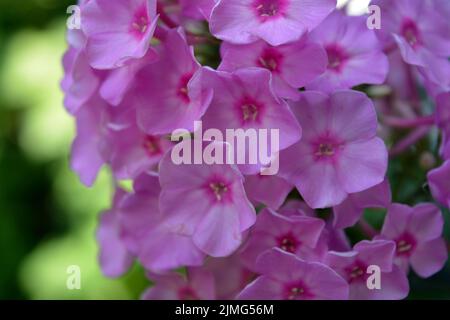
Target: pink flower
(421,34)
(146,234)
(330,239)
(349,212)
(169,94)
(196,285)
(230,276)
(292,65)
(197,9)
(339,153)
(274,21)
(287,277)
(129,151)
(353,266)
(117,31)
(438,180)
(443,121)
(417,234)
(114,257)
(298,235)
(268,190)
(354,53)
(206,202)
(80,81)
(86,158)
(245,100)
(120,81)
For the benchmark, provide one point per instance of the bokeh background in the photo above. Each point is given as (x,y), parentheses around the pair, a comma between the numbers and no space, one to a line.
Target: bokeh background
(47,218)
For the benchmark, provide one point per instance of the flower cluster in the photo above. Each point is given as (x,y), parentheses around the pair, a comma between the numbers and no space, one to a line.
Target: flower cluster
(337,91)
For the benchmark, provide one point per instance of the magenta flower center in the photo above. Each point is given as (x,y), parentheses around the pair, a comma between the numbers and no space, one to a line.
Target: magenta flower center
(296,291)
(219,189)
(336,57)
(186,293)
(249,110)
(270,59)
(288,243)
(269,9)
(140,22)
(405,245)
(182,88)
(151,146)
(356,272)
(411,33)
(326,148)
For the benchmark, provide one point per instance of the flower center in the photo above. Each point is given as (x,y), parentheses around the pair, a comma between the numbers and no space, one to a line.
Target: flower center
(140,22)
(405,245)
(140,25)
(151,145)
(219,189)
(356,271)
(270,59)
(325,149)
(288,243)
(296,291)
(336,57)
(187,293)
(267,9)
(410,32)
(249,112)
(182,88)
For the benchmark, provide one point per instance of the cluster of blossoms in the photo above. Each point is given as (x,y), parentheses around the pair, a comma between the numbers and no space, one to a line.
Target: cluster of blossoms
(139,69)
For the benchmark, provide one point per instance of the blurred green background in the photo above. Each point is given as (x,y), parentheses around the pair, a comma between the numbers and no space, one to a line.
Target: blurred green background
(47,218)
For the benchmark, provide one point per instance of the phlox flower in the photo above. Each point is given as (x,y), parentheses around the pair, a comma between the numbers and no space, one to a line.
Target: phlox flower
(421,34)
(354,53)
(443,122)
(438,180)
(169,94)
(114,257)
(269,190)
(339,153)
(117,31)
(349,212)
(80,80)
(146,234)
(353,266)
(230,275)
(118,82)
(197,9)
(206,202)
(86,157)
(244,99)
(416,232)
(287,277)
(274,21)
(198,284)
(298,235)
(129,151)
(292,65)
